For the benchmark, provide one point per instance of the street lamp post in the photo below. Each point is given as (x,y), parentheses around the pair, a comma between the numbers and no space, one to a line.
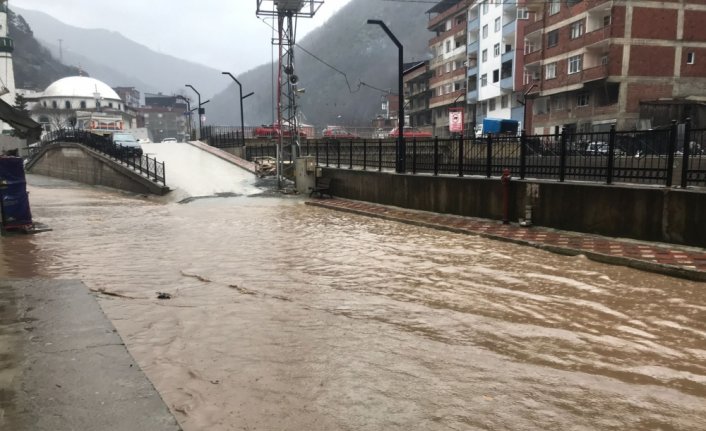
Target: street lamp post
(188,112)
(400,163)
(242,117)
(199,111)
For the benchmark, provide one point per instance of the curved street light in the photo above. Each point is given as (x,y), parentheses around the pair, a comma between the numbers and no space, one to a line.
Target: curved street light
(200,111)
(188,110)
(240,89)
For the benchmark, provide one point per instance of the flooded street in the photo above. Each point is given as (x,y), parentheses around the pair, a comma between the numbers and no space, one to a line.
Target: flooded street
(290,317)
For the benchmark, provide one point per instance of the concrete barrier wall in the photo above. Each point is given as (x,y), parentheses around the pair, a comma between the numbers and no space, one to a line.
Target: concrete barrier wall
(644,213)
(77,163)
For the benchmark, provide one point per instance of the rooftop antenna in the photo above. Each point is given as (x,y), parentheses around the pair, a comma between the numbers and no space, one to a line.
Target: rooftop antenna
(287,12)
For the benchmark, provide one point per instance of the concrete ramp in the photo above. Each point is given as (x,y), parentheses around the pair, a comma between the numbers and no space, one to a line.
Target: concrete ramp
(198,170)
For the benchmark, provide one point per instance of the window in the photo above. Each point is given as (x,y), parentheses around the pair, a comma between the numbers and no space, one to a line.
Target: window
(522,13)
(496,50)
(484,56)
(448,46)
(559,102)
(606,21)
(576,29)
(690,57)
(447,88)
(485,31)
(497,24)
(575,63)
(67,105)
(504,101)
(554,7)
(110,105)
(582,99)
(485,7)
(448,67)
(491,104)
(552,38)
(83,104)
(496,75)
(530,46)
(550,71)
(484,80)
(54,105)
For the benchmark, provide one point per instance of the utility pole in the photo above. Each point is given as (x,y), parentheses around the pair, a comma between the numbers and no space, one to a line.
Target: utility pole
(61,51)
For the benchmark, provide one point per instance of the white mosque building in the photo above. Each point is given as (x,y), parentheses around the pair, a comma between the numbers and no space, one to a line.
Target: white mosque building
(80,102)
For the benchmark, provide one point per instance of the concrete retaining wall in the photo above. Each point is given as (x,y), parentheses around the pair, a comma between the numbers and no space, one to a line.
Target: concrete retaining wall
(75,162)
(645,213)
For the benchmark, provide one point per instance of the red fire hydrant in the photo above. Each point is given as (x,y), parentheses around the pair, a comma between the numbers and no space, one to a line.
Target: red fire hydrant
(505,180)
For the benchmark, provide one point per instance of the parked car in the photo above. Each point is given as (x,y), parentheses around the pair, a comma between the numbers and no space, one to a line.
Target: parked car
(126,144)
(168,140)
(274,130)
(338,133)
(409,132)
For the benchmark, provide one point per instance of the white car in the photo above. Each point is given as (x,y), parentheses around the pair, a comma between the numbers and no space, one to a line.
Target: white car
(168,140)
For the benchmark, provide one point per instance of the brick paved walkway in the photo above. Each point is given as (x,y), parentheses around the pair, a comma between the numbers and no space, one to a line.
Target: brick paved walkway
(669,259)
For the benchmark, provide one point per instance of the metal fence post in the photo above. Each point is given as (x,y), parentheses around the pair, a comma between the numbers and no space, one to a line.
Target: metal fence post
(489,156)
(611,155)
(350,153)
(672,149)
(379,155)
(316,151)
(326,145)
(436,155)
(523,154)
(562,155)
(365,154)
(414,155)
(338,154)
(460,156)
(687,153)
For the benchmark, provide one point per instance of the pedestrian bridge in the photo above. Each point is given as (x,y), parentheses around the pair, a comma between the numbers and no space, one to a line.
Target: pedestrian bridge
(190,169)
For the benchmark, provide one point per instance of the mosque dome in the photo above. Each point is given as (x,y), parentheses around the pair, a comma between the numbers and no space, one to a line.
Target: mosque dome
(81,87)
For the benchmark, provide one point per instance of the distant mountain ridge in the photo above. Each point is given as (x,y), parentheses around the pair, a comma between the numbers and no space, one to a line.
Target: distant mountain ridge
(119,61)
(346,43)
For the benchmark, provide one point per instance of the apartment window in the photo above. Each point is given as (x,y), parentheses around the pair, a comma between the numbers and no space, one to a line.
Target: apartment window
(496,50)
(484,80)
(496,75)
(530,46)
(550,71)
(491,104)
(485,31)
(690,57)
(497,24)
(552,38)
(559,103)
(582,99)
(447,88)
(576,29)
(554,7)
(504,101)
(522,13)
(575,63)
(484,56)
(448,46)
(606,21)
(448,67)
(83,104)
(67,105)
(484,7)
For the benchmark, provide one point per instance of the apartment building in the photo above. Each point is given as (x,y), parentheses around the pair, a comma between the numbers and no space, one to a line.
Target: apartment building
(495,55)
(590,64)
(417,94)
(447,84)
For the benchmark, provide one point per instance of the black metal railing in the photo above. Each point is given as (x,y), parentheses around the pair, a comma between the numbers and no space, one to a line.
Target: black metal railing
(638,157)
(128,156)
(223,136)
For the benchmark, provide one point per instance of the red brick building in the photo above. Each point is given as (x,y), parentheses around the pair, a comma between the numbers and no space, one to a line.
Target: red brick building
(590,64)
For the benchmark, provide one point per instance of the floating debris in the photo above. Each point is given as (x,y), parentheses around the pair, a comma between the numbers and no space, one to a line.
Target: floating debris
(163,295)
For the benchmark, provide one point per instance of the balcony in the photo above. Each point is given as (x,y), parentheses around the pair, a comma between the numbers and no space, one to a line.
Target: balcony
(472,96)
(460,6)
(473,47)
(507,83)
(458,28)
(446,99)
(6,44)
(507,56)
(533,57)
(534,26)
(474,24)
(510,28)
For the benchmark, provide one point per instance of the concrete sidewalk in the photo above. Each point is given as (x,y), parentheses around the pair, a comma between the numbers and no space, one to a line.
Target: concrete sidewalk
(669,259)
(64,367)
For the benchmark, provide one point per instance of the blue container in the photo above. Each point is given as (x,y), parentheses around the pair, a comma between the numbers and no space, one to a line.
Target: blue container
(14,199)
(497,126)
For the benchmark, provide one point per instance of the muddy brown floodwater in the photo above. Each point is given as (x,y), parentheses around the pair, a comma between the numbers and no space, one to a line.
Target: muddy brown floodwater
(290,317)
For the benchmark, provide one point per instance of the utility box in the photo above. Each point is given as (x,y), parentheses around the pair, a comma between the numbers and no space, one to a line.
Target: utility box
(497,126)
(305,174)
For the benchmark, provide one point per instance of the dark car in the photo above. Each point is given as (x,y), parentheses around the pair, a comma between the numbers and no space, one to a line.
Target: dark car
(126,144)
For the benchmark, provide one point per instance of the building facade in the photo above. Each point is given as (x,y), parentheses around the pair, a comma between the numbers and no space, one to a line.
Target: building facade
(496,59)
(417,95)
(591,64)
(164,117)
(447,84)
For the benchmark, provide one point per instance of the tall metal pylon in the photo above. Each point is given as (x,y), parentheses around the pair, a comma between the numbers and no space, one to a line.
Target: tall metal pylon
(287,12)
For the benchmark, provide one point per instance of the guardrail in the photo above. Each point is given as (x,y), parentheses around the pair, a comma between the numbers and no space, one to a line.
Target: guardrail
(145,165)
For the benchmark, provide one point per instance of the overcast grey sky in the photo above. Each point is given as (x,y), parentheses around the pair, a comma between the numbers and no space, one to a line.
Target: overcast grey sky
(224,34)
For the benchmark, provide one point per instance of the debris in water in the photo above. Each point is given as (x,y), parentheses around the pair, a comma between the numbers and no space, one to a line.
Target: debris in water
(163,295)
(196,276)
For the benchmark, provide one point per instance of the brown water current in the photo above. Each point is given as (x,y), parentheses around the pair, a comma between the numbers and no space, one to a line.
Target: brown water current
(290,317)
